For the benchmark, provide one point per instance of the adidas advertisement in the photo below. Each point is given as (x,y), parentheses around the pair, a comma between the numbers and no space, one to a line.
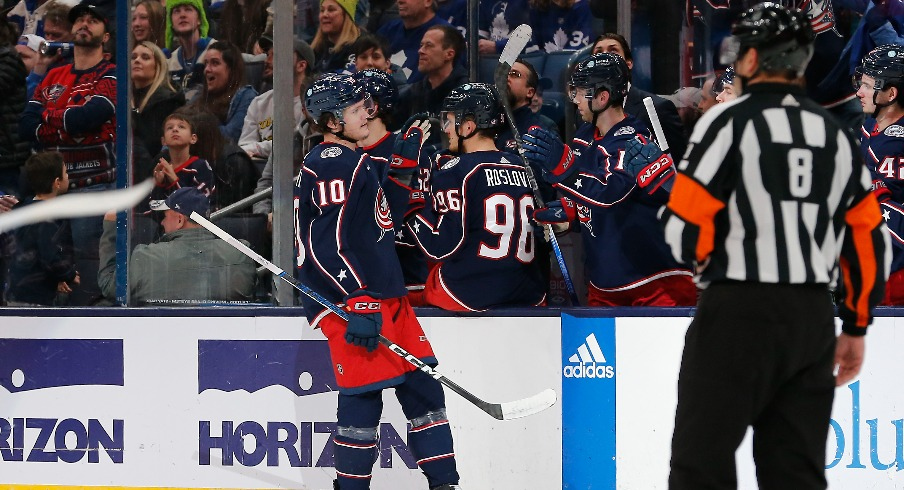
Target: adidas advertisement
(588,403)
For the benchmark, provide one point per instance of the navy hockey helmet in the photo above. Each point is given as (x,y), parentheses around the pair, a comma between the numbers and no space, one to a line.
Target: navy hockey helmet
(782,36)
(480,101)
(380,86)
(885,64)
(727,78)
(331,93)
(602,71)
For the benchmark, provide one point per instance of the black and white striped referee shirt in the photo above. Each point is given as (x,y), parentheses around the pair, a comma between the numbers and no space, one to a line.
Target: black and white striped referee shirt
(773,190)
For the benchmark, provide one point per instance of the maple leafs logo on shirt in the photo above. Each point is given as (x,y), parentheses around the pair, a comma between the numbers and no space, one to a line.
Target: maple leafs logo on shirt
(399,59)
(559,41)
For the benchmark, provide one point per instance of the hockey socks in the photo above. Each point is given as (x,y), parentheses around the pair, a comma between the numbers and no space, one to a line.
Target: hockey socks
(430,441)
(356,453)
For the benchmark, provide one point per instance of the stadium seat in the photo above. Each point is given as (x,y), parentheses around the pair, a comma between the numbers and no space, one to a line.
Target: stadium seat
(537,59)
(249,227)
(556,68)
(554,104)
(487,68)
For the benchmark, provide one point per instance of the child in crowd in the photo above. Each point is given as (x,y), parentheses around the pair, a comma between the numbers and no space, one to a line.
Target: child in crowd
(42,272)
(185,170)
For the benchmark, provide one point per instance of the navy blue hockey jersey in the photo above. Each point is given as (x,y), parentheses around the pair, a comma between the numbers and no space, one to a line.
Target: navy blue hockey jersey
(623,241)
(479,228)
(412,260)
(344,228)
(883,153)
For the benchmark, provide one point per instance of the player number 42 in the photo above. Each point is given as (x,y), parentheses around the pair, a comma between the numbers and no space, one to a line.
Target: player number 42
(891,166)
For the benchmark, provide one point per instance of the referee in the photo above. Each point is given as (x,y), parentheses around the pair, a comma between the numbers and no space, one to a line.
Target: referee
(772,203)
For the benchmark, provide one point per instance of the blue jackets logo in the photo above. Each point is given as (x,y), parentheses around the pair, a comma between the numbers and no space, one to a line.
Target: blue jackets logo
(588,362)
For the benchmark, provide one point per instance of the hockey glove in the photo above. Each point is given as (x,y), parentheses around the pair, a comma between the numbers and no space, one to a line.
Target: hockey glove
(649,165)
(544,150)
(406,151)
(416,201)
(556,212)
(880,190)
(365,320)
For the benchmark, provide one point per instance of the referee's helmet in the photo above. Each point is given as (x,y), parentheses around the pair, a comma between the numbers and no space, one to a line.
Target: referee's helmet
(783,38)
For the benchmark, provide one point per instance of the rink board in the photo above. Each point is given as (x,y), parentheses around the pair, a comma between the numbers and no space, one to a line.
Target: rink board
(249,402)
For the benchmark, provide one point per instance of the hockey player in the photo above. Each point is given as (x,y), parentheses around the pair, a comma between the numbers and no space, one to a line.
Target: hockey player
(628,261)
(478,225)
(402,172)
(725,88)
(346,250)
(879,81)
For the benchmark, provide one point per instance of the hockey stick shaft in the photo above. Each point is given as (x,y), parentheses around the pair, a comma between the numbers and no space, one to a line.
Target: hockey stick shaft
(657,126)
(496,410)
(508,57)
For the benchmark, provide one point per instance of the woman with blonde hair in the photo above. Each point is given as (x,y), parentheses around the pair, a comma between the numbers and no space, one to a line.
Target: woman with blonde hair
(153,99)
(148,22)
(335,36)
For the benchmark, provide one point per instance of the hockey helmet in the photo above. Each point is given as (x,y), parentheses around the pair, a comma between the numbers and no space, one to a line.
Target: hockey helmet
(782,36)
(602,71)
(727,78)
(885,64)
(380,86)
(480,101)
(331,93)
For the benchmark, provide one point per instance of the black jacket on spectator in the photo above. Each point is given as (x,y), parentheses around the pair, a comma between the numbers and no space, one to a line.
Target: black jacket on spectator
(147,127)
(236,176)
(668,117)
(43,258)
(420,97)
(13,150)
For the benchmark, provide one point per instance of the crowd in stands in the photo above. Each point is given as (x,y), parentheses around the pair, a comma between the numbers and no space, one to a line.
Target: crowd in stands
(202,110)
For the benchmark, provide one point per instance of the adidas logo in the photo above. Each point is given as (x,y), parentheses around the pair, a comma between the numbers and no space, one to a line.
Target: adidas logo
(588,362)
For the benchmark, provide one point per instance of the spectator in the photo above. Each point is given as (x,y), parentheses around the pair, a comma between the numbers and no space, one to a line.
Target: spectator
(381,143)
(153,99)
(405,34)
(235,175)
(628,261)
(372,51)
(440,71)
(187,170)
(242,22)
(186,22)
(484,261)
(633,104)
(13,149)
(455,12)
(497,19)
(224,92)
(188,265)
(28,48)
(725,88)
(149,23)
(42,271)
(335,36)
(707,95)
(560,25)
(257,131)
(81,124)
(28,15)
(523,83)
(57,28)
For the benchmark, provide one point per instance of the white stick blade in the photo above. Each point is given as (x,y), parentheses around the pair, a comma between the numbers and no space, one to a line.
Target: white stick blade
(76,206)
(657,126)
(516,43)
(529,406)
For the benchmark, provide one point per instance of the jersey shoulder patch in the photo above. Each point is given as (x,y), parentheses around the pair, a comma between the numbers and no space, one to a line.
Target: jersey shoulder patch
(625,130)
(331,152)
(446,163)
(895,130)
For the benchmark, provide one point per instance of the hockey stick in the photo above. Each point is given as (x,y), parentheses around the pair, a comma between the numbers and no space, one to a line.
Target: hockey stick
(516,43)
(76,206)
(657,126)
(502,411)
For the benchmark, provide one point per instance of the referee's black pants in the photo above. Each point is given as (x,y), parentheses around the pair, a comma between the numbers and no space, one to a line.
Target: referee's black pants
(755,355)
